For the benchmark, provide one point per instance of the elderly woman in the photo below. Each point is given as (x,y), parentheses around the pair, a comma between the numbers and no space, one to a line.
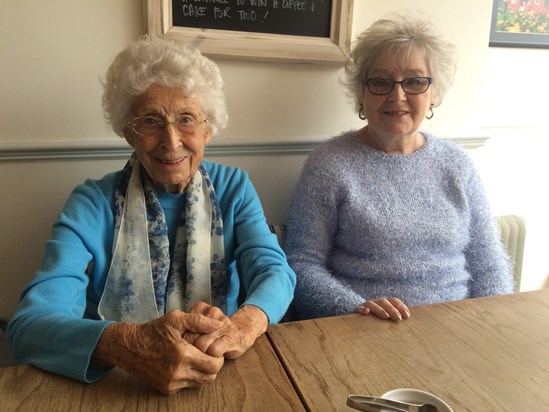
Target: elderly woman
(389,216)
(166,267)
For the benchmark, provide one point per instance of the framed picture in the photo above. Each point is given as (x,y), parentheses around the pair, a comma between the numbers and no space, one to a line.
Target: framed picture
(520,23)
(315,31)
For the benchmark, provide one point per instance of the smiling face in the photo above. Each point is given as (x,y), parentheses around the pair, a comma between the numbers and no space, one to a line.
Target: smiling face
(169,157)
(397,115)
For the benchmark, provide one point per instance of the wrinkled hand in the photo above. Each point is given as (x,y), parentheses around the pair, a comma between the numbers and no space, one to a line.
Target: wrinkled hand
(209,311)
(156,352)
(238,334)
(385,308)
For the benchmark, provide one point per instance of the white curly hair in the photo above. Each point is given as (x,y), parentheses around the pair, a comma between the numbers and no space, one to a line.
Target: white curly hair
(166,62)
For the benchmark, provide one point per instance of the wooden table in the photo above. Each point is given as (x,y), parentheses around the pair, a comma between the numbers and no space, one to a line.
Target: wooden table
(486,354)
(254,382)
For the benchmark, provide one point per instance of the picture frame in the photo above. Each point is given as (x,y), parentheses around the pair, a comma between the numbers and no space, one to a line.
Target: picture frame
(229,44)
(520,23)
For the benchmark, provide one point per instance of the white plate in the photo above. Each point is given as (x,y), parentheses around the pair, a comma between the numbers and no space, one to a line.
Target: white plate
(417,396)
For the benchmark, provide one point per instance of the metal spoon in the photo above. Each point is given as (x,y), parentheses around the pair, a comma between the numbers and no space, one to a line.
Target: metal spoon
(365,403)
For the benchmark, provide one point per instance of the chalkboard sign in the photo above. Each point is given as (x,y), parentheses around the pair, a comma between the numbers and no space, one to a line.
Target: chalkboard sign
(293,17)
(311,31)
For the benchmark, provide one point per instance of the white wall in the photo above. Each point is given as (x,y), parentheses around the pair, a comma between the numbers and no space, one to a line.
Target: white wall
(57,50)
(54,52)
(514,162)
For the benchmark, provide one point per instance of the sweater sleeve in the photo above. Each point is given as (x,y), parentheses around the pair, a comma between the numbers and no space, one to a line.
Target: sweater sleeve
(486,259)
(50,329)
(312,226)
(268,282)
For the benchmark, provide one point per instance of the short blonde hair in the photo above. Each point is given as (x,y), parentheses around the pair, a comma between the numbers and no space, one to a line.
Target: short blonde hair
(399,36)
(166,62)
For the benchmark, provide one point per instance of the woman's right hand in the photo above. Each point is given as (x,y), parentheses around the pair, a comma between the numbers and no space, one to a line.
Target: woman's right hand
(385,308)
(157,353)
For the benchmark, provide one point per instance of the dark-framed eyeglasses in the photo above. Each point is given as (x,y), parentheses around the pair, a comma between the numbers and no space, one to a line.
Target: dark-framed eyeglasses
(153,125)
(411,85)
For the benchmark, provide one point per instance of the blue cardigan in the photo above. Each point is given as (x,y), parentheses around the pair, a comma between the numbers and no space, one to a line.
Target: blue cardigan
(57,327)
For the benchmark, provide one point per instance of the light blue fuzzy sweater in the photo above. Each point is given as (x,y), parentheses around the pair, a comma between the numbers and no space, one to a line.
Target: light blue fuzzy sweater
(365,224)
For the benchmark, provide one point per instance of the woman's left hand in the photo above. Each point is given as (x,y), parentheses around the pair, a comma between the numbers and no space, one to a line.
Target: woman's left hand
(385,308)
(238,334)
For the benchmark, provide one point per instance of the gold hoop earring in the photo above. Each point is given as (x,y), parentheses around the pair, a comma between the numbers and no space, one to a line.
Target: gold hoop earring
(361,114)
(430,116)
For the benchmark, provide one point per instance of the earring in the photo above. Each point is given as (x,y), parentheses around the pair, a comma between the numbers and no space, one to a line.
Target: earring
(361,114)
(430,116)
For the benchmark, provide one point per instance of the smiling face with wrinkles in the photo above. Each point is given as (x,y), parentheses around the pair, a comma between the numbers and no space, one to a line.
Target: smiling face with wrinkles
(397,115)
(169,157)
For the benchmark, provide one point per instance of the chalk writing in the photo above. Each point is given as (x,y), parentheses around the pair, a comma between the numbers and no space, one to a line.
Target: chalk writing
(294,17)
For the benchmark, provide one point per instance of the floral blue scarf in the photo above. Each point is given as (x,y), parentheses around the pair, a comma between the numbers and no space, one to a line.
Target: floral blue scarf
(142,283)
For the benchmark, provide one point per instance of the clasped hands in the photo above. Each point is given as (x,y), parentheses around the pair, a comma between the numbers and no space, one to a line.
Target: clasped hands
(385,308)
(180,350)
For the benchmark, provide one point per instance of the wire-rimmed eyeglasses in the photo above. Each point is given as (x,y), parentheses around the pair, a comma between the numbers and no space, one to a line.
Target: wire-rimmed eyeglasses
(411,85)
(153,125)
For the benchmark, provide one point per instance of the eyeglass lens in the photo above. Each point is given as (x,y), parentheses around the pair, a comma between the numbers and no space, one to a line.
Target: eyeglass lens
(152,125)
(412,85)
